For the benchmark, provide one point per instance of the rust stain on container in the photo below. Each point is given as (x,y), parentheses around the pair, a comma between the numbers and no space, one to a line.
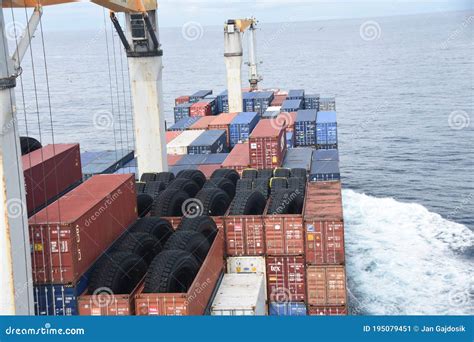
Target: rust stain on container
(326,285)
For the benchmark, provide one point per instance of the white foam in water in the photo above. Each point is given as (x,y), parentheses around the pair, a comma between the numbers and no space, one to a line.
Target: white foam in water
(404,259)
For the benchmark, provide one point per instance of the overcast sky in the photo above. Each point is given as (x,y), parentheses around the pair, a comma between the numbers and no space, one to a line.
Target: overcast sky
(174,13)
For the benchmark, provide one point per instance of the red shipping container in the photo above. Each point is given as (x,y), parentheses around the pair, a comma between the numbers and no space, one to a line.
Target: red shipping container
(238,159)
(202,123)
(208,169)
(324,224)
(244,235)
(278,99)
(284,234)
(326,285)
(327,310)
(267,145)
(50,172)
(174,158)
(193,302)
(200,109)
(287,120)
(223,121)
(170,135)
(181,100)
(71,233)
(286,279)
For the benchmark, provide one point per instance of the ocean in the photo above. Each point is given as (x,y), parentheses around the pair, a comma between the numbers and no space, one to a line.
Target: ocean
(404,94)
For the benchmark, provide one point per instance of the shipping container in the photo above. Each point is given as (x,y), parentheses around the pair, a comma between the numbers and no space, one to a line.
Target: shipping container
(202,123)
(215,158)
(245,235)
(290,141)
(246,264)
(107,162)
(50,172)
(324,224)
(326,130)
(183,124)
(240,295)
(292,105)
(286,279)
(323,170)
(311,101)
(181,111)
(267,145)
(327,103)
(248,99)
(305,127)
(212,141)
(177,168)
(299,157)
(201,108)
(170,135)
(196,300)
(262,101)
(181,99)
(327,310)
(208,169)
(238,158)
(295,94)
(284,234)
(223,121)
(326,285)
(199,95)
(71,233)
(272,112)
(219,101)
(173,159)
(278,99)
(328,155)
(287,309)
(212,100)
(241,127)
(180,144)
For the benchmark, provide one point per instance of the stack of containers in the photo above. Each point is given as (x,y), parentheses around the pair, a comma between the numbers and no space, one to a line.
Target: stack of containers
(326,130)
(292,105)
(180,144)
(220,101)
(295,94)
(202,122)
(305,127)
(69,235)
(212,100)
(325,166)
(213,141)
(181,111)
(299,157)
(183,124)
(223,121)
(197,96)
(327,103)
(279,98)
(311,101)
(238,158)
(181,100)
(201,108)
(324,249)
(262,101)
(267,145)
(248,99)
(241,127)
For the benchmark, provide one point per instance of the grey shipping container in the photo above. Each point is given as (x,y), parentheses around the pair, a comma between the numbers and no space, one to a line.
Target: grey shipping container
(199,95)
(184,123)
(323,170)
(291,105)
(295,94)
(329,155)
(299,157)
(311,101)
(181,111)
(327,103)
(212,141)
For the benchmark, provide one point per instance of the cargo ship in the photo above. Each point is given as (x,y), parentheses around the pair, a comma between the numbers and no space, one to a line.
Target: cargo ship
(234,209)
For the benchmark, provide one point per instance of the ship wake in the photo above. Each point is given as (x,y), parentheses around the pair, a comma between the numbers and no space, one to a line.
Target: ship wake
(405,260)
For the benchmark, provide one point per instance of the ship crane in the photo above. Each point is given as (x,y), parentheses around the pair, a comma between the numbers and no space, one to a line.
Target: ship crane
(233,56)
(141,41)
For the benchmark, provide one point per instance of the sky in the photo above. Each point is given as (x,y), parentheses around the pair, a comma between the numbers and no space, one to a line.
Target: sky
(175,13)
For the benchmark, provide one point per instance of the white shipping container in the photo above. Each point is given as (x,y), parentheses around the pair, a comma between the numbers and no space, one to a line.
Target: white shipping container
(240,295)
(246,264)
(179,145)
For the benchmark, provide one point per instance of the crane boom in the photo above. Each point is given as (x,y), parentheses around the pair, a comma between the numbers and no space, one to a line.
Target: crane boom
(126,6)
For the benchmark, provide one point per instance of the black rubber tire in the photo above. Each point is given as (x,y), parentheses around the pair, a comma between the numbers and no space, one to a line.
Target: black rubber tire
(191,242)
(28,145)
(140,187)
(201,224)
(265,173)
(118,272)
(299,173)
(187,185)
(153,188)
(171,272)
(244,184)
(261,185)
(284,202)
(298,184)
(144,204)
(281,172)
(214,202)
(249,174)
(165,177)
(145,245)
(248,203)
(158,227)
(221,183)
(230,174)
(148,177)
(169,203)
(277,183)
(195,175)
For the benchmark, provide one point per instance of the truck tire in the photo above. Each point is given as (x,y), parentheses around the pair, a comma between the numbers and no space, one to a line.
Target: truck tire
(265,173)
(28,145)
(249,174)
(261,185)
(195,175)
(189,241)
(145,245)
(187,185)
(117,272)
(148,177)
(158,227)
(171,272)
(278,183)
(140,187)
(299,173)
(169,203)
(244,184)
(248,203)
(230,174)
(144,204)
(153,188)
(165,177)
(297,184)
(281,172)
(214,202)
(201,224)
(284,202)
(221,183)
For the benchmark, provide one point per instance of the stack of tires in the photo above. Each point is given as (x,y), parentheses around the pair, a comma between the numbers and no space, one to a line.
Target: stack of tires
(287,188)
(150,186)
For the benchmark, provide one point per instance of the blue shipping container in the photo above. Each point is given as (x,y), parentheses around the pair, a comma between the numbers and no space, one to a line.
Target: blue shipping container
(241,127)
(215,158)
(176,168)
(323,170)
(219,99)
(289,140)
(184,123)
(326,130)
(330,155)
(295,94)
(291,105)
(305,127)
(212,141)
(181,111)
(262,101)
(197,96)
(287,309)
(299,157)
(311,101)
(248,101)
